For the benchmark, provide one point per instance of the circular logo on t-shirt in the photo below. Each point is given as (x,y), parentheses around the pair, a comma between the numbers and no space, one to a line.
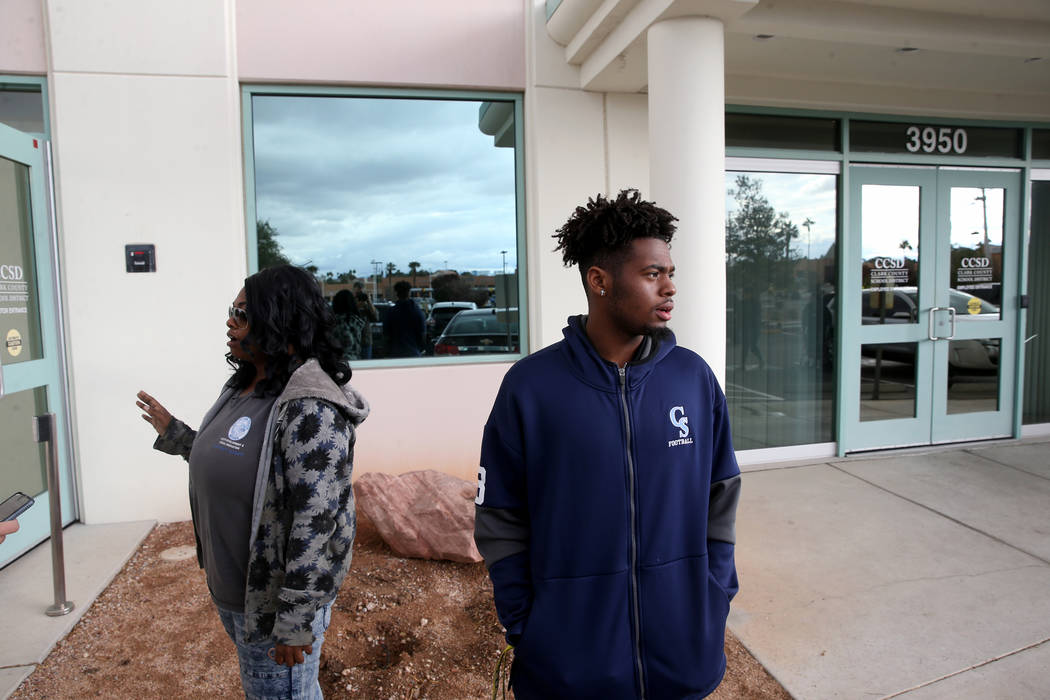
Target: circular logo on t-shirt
(240,428)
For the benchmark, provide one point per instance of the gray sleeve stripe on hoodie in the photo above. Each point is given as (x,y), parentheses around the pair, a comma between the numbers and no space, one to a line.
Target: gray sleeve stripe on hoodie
(721,514)
(499,533)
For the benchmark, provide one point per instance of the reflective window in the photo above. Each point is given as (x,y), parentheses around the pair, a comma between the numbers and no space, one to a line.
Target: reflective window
(405,209)
(24,465)
(22,107)
(889,253)
(973,375)
(887,381)
(976,276)
(1037,330)
(780,305)
(20,339)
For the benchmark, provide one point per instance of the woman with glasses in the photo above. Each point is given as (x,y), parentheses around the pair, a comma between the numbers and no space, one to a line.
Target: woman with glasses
(269,467)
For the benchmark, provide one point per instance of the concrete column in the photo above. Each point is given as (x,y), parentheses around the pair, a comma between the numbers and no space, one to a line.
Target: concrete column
(687,173)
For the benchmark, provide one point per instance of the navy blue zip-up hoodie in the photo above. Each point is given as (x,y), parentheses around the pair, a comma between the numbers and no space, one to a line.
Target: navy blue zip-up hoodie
(606,510)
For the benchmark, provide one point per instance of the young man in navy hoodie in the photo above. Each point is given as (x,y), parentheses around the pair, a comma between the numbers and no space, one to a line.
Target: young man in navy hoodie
(608,486)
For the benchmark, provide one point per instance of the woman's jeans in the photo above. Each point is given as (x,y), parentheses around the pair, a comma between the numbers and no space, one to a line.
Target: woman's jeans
(261,678)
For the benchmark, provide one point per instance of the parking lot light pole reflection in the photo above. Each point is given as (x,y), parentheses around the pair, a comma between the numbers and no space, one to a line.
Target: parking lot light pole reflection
(375,280)
(983,199)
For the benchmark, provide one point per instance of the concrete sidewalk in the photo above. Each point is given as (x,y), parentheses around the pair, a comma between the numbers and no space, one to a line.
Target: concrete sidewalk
(919,574)
(94,554)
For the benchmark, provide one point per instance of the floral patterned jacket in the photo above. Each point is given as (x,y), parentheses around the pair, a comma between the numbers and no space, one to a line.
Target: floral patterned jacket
(303,518)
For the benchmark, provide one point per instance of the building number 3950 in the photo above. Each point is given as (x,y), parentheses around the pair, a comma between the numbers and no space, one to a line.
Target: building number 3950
(929,139)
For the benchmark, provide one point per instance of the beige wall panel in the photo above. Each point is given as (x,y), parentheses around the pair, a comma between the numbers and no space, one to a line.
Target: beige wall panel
(627,119)
(145,160)
(566,165)
(139,36)
(22,37)
(468,43)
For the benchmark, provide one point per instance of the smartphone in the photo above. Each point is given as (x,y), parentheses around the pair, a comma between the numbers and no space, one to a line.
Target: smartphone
(14,506)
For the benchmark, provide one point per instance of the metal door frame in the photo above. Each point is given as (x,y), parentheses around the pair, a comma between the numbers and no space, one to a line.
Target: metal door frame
(930,424)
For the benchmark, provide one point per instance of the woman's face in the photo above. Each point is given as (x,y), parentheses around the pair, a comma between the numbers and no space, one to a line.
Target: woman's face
(237,331)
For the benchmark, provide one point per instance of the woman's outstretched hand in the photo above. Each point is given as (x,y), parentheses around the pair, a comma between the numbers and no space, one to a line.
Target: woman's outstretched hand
(153,412)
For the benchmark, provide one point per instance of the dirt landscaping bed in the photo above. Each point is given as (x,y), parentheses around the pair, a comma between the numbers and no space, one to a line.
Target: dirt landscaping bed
(401,628)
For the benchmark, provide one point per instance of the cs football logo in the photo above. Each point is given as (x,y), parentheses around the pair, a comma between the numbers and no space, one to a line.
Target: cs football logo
(680,421)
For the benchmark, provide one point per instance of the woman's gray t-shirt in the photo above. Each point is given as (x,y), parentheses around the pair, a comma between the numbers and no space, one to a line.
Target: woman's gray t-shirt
(223,467)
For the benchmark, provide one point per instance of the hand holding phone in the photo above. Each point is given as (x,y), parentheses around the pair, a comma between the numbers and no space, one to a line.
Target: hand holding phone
(14,506)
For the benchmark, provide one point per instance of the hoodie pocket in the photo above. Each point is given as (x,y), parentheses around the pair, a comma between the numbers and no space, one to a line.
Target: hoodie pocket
(577,641)
(684,614)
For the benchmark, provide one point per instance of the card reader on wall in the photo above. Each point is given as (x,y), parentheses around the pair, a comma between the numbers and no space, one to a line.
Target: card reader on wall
(140,257)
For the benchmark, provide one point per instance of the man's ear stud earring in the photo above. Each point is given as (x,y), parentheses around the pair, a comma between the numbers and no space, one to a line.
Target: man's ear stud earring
(603,292)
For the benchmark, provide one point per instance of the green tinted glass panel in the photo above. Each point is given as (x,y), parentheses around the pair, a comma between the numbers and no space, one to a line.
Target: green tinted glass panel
(22,458)
(762,131)
(1037,332)
(20,339)
(780,295)
(1041,144)
(917,138)
(22,108)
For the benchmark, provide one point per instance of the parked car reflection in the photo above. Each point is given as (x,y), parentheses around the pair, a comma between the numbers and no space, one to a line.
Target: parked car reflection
(964,356)
(476,331)
(441,313)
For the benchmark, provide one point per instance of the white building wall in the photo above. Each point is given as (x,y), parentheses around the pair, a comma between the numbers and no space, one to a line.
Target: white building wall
(569,157)
(146,131)
(627,136)
(566,165)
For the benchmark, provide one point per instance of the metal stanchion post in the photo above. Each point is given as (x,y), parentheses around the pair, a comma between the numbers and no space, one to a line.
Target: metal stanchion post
(44,431)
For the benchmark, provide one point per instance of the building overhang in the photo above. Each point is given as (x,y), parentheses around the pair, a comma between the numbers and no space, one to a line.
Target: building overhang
(994,59)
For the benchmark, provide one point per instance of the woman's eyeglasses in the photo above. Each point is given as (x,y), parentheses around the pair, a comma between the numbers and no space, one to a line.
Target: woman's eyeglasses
(239,316)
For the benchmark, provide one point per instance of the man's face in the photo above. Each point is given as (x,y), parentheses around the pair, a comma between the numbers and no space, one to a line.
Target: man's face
(641,298)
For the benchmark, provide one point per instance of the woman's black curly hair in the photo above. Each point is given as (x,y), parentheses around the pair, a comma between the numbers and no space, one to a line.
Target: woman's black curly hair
(290,322)
(600,232)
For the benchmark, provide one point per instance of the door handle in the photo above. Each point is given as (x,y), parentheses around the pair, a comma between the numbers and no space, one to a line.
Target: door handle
(951,319)
(929,326)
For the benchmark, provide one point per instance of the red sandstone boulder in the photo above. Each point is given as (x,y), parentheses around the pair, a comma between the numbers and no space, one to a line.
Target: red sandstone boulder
(424,514)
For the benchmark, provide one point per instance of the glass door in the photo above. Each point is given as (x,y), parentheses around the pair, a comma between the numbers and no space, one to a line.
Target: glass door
(977,289)
(30,370)
(929,306)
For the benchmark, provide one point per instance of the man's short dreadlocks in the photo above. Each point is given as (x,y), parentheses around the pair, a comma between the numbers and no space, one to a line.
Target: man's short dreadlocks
(600,232)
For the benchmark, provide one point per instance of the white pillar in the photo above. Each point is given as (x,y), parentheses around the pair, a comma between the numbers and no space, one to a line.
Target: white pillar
(687,173)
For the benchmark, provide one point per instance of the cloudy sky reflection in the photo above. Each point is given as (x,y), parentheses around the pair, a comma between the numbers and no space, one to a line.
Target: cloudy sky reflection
(800,196)
(348,180)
